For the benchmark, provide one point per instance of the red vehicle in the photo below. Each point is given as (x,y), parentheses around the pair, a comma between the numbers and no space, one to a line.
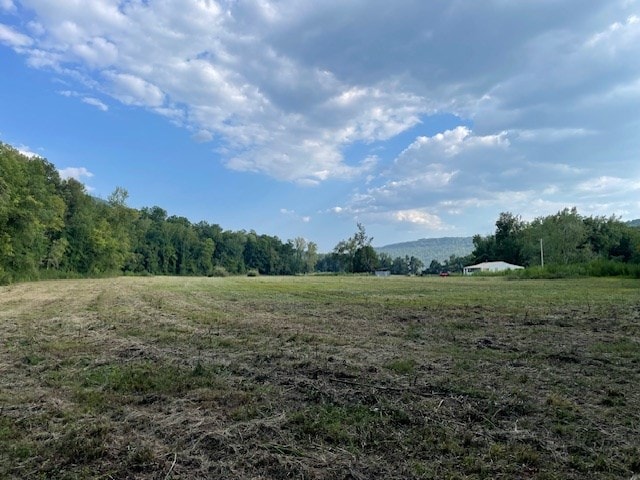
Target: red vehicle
(444,274)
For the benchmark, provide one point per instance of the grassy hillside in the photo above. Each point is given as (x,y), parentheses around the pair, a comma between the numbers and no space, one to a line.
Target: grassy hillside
(428,249)
(320,377)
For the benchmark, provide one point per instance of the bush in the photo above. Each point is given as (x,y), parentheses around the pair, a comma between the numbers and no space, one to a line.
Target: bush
(595,268)
(253,273)
(219,271)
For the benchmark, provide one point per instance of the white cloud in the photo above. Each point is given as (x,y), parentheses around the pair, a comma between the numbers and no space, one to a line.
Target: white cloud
(607,185)
(294,215)
(13,38)
(625,31)
(75,172)
(27,152)
(99,104)
(448,144)
(97,52)
(551,134)
(96,103)
(133,90)
(202,136)
(419,217)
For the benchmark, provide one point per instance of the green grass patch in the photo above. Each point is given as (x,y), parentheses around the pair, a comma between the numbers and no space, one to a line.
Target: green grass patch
(147,377)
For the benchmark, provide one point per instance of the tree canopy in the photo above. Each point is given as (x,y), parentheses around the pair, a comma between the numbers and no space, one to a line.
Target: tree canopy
(563,238)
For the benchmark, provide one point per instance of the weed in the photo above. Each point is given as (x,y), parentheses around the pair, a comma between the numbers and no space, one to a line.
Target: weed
(402,366)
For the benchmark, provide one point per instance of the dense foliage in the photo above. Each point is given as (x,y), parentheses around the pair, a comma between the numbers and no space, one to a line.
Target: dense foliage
(565,238)
(356,255)
(51,227)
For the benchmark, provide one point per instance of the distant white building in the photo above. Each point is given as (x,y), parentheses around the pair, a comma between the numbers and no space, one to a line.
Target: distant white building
(382,273)
(491,267)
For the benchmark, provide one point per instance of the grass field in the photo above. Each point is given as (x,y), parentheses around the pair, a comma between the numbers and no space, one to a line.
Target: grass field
(320,377)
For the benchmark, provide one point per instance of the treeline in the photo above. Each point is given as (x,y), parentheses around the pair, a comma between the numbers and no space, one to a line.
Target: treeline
(565,238)
(51,227)
(356,255)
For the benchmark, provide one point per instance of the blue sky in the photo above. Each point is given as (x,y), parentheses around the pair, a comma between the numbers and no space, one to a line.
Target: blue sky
(301,118)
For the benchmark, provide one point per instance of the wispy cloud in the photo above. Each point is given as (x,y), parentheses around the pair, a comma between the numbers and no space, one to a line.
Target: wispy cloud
(13,38)
(94,102)
(292,214)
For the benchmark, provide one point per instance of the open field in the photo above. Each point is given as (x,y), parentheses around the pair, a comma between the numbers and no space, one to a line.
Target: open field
(320,377)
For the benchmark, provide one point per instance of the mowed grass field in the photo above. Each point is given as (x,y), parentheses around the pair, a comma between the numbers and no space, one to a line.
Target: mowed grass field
(320,377)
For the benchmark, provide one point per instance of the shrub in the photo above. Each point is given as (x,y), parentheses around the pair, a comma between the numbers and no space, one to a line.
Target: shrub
(595,268)
(219,271)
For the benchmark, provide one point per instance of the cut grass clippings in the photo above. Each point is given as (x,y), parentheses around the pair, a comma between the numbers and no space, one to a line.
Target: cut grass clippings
(320,377)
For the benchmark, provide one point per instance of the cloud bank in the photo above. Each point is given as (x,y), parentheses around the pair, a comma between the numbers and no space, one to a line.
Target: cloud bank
(547,93)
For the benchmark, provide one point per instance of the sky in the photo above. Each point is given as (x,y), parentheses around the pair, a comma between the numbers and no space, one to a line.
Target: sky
(300,118)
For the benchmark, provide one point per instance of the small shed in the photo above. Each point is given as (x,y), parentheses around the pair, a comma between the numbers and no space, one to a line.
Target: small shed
(383,272)
(490,267)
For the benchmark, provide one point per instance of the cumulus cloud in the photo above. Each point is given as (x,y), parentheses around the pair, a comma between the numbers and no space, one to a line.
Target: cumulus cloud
(76,173)
(133,90)
(419,217)
(202,136)
(430,167)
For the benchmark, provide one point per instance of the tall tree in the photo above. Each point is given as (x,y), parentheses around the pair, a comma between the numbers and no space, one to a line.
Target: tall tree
(508,238)
(356,252)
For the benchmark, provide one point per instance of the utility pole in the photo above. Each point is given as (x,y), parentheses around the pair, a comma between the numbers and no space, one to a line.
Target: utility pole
(541,254)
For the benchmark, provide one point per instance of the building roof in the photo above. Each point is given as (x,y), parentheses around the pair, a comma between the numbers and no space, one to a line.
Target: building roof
(493,265)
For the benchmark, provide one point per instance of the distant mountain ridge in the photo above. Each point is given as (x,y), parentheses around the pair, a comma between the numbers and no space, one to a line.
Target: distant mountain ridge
(634,223)
(428,249)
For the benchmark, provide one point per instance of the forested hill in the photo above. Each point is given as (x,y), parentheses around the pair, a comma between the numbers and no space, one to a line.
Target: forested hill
(428,249)
(634,223)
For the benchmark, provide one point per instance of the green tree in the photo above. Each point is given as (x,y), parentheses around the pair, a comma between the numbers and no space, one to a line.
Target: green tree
(508,238)
(416,266)
(31,212)
(347,250)
(385,261)
(484,248)
(365,259)
(311,257)
(400,266)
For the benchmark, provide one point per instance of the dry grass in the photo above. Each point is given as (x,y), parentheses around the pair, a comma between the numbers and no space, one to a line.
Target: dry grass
(320,377)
